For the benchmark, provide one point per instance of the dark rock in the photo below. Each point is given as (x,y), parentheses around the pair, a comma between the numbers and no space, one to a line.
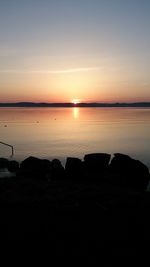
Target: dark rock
(130,172)
(32,167)
(41,168)
(97,161)
(13,166)
(121,162)
(47,166)
(4,163)
(31,164)
(57,169)
(74,168)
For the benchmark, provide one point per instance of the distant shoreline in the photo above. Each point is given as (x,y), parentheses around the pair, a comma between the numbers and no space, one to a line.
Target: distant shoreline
(32,104)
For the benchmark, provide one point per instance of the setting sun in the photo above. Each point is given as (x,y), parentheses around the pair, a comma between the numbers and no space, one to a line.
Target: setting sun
(75,101)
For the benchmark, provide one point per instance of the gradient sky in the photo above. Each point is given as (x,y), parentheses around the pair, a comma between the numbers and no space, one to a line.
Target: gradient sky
(60,50)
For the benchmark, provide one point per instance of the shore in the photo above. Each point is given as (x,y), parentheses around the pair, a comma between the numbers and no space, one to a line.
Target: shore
(82,207)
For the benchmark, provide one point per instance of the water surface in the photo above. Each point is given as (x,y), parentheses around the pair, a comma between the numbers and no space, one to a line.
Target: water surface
(61,132)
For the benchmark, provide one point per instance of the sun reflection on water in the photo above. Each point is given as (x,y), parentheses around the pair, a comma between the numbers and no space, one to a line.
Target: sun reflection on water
(76,113)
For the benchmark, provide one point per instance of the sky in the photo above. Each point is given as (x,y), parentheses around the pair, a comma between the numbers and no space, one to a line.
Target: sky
(74,50)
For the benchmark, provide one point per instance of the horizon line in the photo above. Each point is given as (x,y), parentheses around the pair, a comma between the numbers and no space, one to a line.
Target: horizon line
(71,104)
(81,102)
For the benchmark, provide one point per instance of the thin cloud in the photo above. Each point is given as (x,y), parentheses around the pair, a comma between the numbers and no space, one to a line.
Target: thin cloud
(49,71)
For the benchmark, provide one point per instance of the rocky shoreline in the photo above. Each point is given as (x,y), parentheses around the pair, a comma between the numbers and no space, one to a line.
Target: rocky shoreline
(80,206)
(121,170)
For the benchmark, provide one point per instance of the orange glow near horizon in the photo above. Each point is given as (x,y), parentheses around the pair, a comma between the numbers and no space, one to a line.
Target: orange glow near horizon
(75,101)
(74,85)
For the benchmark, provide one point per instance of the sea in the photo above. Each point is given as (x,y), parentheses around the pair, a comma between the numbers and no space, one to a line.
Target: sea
(73,132)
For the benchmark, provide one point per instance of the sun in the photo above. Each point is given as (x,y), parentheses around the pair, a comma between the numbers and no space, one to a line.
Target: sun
(75,101)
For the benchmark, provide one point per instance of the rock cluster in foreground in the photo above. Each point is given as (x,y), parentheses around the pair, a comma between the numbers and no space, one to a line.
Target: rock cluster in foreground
(122,170)
(80,208)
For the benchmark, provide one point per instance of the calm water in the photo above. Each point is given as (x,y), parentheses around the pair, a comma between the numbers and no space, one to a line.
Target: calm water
(61,132)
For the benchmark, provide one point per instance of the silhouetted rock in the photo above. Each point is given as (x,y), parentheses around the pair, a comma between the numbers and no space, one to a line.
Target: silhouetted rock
(57,169)
(121,162)
(31,164)
(69,214)
(129,172)
(46,165)
(3,163)
(96,162)
(74,168)
(32,167)
(13,166)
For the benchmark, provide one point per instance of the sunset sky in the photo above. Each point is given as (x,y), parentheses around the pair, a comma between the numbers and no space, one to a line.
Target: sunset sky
(88,50)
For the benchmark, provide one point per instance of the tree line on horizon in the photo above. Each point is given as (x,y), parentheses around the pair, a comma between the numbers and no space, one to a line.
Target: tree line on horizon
(92,104)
